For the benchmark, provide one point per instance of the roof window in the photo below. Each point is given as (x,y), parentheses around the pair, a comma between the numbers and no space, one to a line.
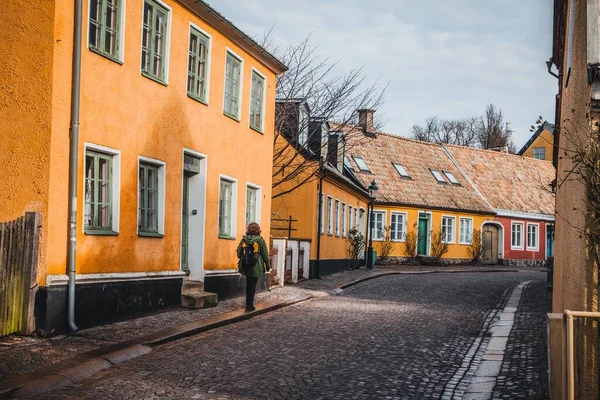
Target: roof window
(401,170)
(438,176)
(451,178)
(362,165)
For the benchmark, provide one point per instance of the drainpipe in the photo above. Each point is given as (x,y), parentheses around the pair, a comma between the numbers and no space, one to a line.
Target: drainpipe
(320,203)
(73,157)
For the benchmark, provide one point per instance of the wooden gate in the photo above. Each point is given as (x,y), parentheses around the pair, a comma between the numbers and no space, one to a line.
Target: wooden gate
(19,242)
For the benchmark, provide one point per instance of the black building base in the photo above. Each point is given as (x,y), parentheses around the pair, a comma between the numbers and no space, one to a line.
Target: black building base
(327,267)
(234,285)
(101,303)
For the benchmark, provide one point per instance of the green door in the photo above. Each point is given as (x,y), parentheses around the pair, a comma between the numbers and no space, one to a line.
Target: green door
(423,235)
(185,215)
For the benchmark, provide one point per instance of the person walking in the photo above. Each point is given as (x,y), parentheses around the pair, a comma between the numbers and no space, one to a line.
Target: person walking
(253,261)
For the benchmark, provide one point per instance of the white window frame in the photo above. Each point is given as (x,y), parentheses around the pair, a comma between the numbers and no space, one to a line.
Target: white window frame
(337,217)
(444,238)
(451,178)
(116,184)
(512,244)
(329,215)
(303,125)
(121,55)
(167,40)
(233,211)
(350,221)
(403,227)
(537,236)
(383,225)
(344,222)
(261,129)
(323,216)
(258,205)
(358,164)
(460,229)
(241,85)
(401,170)
(208,60)
(162,173)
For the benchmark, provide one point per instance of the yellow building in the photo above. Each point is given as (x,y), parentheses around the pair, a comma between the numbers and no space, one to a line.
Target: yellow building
(176,133)
(541,143)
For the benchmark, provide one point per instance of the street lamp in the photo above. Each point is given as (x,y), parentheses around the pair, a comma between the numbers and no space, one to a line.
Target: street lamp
(373,189)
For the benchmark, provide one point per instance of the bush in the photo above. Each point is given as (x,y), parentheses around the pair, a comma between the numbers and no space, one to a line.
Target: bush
(356,244)
(386,246)
(478,248)
(438,247)
(411,242)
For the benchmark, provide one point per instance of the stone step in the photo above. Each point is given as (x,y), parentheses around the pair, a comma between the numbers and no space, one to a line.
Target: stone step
(196,299)
(194,286)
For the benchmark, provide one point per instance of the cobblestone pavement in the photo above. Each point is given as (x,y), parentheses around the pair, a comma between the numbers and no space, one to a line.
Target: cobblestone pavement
(396,337)
(523,374)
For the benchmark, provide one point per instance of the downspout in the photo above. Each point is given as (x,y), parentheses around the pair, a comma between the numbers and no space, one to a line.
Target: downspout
(73,157)
(320,204)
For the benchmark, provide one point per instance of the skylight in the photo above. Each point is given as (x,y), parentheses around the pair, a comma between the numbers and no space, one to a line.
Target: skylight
(362,165)
(438,176)
(347,163)
(401,170)
(451,177)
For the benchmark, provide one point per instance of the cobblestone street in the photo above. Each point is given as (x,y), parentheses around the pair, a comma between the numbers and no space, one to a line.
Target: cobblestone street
(396,337)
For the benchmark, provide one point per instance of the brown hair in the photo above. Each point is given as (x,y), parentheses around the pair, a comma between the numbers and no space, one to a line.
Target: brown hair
(253,229)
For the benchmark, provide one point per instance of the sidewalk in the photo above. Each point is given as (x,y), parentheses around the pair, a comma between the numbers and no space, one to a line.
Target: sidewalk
(22,355)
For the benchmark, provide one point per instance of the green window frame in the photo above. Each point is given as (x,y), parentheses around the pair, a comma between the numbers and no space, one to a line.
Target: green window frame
(198,56)
(148,198)
(251,204)
(225,211)
(104,35)
(98,190)
(155,28)
(233,75)
(257,101)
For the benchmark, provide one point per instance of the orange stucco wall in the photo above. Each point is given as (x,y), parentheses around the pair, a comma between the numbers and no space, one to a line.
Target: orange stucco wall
(545,140)
(26,112)
(123,110)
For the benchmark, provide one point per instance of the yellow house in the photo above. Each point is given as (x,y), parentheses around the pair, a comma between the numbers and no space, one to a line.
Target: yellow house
(176,130)
(541,143)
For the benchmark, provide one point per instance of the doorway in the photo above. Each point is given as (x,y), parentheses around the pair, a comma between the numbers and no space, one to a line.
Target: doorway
(423,234)
(490,244)
(549,240)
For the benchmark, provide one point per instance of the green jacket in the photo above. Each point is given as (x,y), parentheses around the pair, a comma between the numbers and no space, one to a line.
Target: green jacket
(263,260)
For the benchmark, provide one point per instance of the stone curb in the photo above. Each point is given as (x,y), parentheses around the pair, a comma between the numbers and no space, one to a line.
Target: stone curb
(78,368)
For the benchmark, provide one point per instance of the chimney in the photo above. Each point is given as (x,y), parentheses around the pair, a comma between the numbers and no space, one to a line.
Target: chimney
(365,120)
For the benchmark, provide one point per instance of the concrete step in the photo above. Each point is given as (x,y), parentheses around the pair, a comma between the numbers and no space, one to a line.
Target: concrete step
(196,299)
(194,286)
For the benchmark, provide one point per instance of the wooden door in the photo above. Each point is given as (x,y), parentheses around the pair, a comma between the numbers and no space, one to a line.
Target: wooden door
(490,243)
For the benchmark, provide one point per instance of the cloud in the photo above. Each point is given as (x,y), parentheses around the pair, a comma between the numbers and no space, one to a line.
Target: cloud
(441,58)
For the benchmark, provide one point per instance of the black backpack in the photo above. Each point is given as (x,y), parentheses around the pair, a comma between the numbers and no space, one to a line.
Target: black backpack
(250,253)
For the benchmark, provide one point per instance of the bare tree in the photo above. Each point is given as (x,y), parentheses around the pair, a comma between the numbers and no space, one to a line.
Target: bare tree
(493,131)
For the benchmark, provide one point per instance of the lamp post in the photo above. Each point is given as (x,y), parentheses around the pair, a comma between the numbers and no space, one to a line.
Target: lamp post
(373,189)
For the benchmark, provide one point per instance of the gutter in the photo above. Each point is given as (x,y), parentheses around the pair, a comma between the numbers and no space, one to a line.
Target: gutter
(73,158)
(319,222)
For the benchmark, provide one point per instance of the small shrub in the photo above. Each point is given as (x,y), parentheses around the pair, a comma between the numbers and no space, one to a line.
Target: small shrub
(386,246)
(478,248)
(438,247)
(411,242)
(356,244)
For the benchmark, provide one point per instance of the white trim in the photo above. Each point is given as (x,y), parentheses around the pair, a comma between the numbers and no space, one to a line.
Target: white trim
(524,215)
(208,59)
(167,38)
(233,211)
(337,207)
(198,185)
(322,213)
(221,272)
(57,280)
(160,208)
(537,237)
(405,227)
(460,219)
(122,21)
(453,241)
(330,216)
(362,221)
(264,100)
(258,205)
(379,211)
(512,246)
(429,225)
(116,184)
(501,229)
(240,91)
(343,215)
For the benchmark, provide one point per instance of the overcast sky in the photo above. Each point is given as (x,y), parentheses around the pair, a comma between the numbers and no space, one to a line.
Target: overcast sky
(445,58)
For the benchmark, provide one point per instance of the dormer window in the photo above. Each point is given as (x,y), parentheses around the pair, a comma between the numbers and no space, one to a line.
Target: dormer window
(303,127)
(401,170)
(362,165)
(438,176)
(451,178)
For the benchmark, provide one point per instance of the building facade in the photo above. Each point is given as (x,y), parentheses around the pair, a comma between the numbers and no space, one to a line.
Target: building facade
(541,143)
(170,90)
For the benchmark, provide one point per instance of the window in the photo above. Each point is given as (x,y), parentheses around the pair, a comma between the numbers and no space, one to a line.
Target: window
(465,233)
(233,77)
(344,226)
(347,163)
(539,153)
(322,213)
(448,229)
(101,192)
(337,217)
(378,225)
(329,215)
(303,125)
(154,40)
(533,237)
(517,236)
(451,178)
(227,208)
(438,176)
(252,204)
(148,198)
(362,222)
(105,28)
(398,227)
(350,223)
(257,101)
(198,59)
(356,221)
(401,170)
(362,165)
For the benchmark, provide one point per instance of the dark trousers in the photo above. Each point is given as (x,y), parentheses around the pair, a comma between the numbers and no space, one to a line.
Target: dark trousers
(250,291)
